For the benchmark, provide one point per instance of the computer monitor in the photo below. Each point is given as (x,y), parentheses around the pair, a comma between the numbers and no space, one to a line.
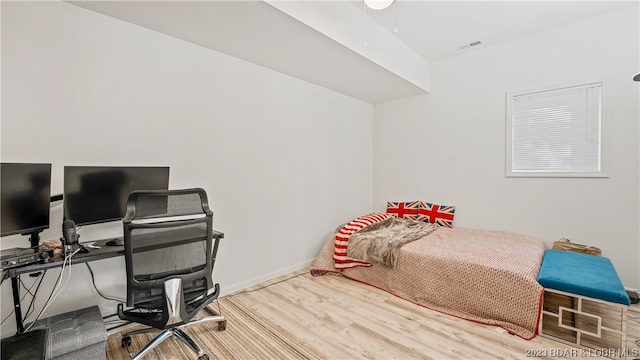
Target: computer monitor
(98,194)
(25,193)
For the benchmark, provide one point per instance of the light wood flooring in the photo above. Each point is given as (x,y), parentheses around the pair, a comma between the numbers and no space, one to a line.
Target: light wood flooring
(344,319)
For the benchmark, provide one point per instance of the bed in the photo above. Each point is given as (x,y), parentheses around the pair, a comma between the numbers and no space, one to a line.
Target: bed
(484,276)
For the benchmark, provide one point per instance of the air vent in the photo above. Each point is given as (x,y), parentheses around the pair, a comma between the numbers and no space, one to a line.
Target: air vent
(471,44)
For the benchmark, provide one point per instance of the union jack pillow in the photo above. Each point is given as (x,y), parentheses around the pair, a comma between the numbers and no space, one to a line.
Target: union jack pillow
(407,209)
(434,213)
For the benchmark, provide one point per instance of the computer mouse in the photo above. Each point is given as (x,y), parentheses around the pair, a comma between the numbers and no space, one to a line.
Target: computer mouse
(115,242)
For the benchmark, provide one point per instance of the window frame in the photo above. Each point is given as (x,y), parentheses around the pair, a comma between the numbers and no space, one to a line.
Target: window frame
(604,133)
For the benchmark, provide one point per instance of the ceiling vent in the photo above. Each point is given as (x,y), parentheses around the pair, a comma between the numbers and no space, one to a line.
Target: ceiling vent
(471,44)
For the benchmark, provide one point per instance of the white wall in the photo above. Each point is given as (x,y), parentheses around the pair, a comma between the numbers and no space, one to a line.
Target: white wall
(449,146)
(283,161)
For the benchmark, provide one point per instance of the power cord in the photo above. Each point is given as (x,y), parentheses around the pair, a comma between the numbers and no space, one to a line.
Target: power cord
(256,289)
(265,286)
(25,295)
(117,324)
(33,295)
(93,281)
(56,287)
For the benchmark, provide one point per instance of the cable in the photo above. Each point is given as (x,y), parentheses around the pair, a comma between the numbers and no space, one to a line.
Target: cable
(55,288)
(49,298)
(265,286)
(8,316)
(256,289)
(109,316)
(118,326)
(25,287)
(23,296)
(118,321)
(33,295)
(93,281)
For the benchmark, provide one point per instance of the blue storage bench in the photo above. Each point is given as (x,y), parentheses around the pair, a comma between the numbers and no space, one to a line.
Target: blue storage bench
(585,303)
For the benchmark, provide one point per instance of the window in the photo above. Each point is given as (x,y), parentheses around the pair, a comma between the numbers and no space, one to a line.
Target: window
(556,132)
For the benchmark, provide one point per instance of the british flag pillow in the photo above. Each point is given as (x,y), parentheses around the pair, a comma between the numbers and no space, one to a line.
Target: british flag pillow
(406,210)
(434,213)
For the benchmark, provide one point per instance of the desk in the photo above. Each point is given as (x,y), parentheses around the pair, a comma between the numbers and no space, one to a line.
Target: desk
(105,252)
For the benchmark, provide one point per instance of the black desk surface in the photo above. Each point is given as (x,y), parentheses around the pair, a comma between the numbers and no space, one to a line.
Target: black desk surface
(105,252)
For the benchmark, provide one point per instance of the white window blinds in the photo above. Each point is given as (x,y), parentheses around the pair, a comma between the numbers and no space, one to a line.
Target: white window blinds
(556,132)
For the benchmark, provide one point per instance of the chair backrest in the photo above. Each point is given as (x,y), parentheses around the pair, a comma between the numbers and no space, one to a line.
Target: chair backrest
(167,236)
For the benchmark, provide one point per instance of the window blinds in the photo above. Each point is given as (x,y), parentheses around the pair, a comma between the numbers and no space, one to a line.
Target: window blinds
(557,130)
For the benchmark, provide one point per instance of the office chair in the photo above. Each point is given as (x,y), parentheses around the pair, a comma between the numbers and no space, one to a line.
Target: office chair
(170,248)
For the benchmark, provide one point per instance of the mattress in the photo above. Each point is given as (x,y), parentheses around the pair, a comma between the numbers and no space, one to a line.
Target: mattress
(483,276)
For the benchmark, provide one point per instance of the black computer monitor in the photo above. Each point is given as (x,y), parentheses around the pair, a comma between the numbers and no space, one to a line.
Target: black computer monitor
(25,193)
(98,194)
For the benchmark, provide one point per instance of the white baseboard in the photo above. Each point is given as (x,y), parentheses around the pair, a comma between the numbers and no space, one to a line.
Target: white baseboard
(229,289)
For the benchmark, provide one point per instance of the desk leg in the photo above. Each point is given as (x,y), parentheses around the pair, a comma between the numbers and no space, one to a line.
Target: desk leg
(16,304)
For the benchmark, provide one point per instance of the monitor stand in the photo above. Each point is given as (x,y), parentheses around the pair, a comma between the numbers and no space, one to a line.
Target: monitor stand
(34,239)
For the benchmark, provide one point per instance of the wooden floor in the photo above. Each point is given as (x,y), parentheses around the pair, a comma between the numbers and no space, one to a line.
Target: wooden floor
(344,319)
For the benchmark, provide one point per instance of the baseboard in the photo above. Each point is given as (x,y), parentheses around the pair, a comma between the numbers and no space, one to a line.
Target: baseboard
(229,289)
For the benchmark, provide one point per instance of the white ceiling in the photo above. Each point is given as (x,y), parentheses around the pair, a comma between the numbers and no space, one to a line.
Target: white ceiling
(259,32)
(435,29)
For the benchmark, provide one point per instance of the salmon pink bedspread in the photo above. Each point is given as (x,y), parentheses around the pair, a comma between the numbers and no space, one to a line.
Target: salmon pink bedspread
(484,276)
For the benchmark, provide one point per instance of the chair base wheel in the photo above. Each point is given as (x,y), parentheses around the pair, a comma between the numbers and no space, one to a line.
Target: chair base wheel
(204,357)
(126,341)
(222,325)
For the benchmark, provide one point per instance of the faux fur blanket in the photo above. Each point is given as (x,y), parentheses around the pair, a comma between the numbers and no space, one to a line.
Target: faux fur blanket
(380,243)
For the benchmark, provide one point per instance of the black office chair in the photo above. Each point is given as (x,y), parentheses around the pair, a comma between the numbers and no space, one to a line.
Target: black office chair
(170,248)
